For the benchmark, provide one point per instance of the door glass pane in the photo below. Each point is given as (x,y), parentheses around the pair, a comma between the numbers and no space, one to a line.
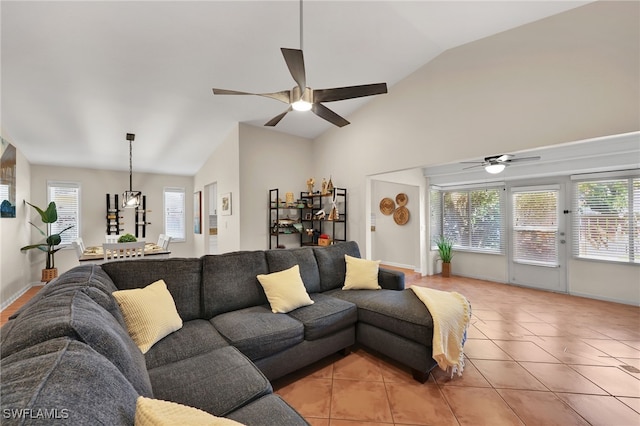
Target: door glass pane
(535,227)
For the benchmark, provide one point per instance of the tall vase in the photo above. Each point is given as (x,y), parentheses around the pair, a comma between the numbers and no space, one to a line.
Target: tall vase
(446,269)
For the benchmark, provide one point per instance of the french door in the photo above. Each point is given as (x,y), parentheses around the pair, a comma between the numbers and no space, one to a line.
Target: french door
(537,248)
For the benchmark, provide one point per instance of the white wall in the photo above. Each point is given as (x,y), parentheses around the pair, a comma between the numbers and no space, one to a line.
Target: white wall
(94,185)
(15,277)
(569,77)
(396,245)
(270,159)
(222,168)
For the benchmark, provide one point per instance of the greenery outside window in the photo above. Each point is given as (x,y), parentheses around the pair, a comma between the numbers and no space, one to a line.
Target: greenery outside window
(472,218)
(606,223)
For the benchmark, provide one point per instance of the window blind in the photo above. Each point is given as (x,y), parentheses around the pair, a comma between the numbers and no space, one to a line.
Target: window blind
(472,219)
(66,195)
(535,227)
(174,213)
(606,223)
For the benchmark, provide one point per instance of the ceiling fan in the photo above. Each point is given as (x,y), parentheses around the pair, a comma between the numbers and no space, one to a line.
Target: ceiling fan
(497,163)
(303,98)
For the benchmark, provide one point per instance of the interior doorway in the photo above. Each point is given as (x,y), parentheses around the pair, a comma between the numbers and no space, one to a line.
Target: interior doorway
(211,218)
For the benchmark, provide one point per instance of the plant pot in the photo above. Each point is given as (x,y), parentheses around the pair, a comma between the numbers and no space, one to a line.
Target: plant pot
(49,274)
(446,269)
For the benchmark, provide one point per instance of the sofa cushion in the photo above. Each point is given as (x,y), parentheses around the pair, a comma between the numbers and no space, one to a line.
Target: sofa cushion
(361,274)
(257,332)
(279,260)
(217,382)
(280,413)
(326,316)
(399,312)
(182,276)
(67,382)
(73,314)
(285,290)
(196,337)
(150,313)
(331,263)
(89,278)
(229,281)
(156,412)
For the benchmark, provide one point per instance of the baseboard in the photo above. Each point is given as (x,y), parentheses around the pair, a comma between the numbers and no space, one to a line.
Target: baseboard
(604,299)
(400,265)
(16,296)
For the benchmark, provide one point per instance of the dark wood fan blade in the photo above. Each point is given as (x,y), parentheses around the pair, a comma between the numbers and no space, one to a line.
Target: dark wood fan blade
(275,120)
(350,92)
(324,112)
(284,96)
(295,62)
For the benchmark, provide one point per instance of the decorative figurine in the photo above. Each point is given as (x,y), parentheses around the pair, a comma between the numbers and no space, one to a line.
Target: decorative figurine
(324,187)
(289,198)
(330,186)
(310,183)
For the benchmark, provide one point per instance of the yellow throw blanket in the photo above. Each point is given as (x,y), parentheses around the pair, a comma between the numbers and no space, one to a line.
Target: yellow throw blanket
(451,313)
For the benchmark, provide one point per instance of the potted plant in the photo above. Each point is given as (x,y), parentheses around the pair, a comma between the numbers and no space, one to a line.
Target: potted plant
(445,254)
(127,238)
(48,216)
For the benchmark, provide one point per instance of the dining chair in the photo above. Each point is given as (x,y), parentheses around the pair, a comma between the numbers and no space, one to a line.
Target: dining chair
(118,251)
(163,241)
(110,239)
(78,245)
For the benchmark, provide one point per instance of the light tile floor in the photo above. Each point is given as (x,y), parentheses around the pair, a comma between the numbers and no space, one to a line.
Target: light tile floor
(533,358)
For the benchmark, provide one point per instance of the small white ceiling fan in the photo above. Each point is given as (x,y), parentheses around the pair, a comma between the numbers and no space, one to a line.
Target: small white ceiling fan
(497,163)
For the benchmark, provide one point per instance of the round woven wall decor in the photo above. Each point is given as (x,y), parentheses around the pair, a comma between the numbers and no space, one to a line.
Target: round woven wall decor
(401,215)
(402,199)
(387,206)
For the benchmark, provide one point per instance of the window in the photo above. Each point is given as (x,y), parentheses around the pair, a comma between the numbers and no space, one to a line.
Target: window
(66,195)
(473,219)
(174,213)
(606,223)
(535,227)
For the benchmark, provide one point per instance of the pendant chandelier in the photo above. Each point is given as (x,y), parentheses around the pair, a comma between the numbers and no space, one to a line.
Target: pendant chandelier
(131,198)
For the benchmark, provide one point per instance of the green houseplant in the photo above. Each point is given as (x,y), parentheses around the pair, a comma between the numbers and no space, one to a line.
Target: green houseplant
(127,238)
(48,216)
(445,254)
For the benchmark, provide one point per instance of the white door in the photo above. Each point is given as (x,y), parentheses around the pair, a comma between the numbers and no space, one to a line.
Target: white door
(537,250)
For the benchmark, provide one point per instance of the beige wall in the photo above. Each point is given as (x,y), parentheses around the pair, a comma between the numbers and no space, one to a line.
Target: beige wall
(94,185)
(566,78)
(15,273)
(222,168)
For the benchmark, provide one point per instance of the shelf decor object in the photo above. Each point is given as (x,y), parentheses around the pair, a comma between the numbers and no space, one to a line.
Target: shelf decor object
(131,198)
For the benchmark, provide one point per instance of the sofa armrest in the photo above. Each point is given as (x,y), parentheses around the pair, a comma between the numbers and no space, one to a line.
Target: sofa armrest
(390,279)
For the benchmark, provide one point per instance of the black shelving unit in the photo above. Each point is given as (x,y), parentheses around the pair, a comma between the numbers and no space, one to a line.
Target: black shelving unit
(281,219)
(113,215)
(336,229)
(141,219)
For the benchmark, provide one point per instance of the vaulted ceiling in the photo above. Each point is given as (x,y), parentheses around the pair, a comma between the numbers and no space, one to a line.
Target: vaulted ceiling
(77,76)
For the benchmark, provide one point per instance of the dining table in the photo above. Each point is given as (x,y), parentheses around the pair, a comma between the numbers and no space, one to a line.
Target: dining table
(96,255)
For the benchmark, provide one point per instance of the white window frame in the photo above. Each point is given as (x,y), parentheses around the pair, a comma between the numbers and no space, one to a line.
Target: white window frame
(166,214)
(72,234)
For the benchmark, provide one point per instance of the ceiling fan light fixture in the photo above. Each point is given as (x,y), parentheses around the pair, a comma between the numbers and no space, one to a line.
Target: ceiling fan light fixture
(494,169)
(301,105)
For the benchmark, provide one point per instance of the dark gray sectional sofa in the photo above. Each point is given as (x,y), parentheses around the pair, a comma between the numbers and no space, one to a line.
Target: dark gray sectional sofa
(66,356)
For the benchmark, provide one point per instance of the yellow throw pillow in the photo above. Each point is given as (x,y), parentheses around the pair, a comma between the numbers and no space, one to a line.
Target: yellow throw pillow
(285,290)
(150,313)
(155,412)
(361,274)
